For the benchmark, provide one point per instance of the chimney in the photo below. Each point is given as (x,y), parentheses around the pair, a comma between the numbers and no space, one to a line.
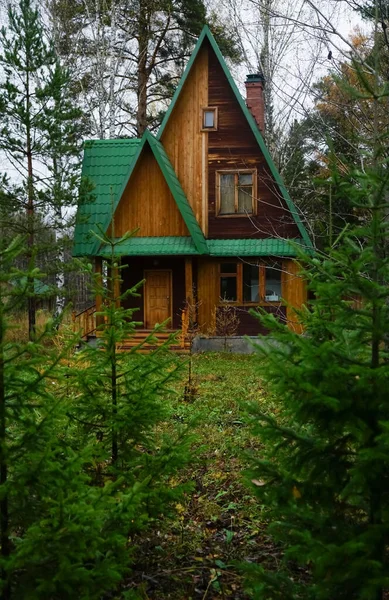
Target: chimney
(254,98)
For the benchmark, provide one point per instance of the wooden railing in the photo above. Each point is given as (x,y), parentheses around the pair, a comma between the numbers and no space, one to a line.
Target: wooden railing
(84,322)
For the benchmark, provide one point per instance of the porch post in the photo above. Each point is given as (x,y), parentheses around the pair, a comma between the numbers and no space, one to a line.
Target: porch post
(99,282)
(188,280)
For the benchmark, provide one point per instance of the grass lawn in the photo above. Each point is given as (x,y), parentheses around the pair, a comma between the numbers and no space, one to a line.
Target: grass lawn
(193,555)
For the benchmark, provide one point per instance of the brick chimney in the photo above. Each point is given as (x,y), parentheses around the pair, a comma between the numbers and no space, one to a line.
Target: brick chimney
(254,98)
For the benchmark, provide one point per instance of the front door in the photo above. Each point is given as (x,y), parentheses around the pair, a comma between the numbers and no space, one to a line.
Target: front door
(157,297)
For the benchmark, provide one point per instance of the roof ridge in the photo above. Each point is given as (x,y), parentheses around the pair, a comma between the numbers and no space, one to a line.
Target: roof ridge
(111,142)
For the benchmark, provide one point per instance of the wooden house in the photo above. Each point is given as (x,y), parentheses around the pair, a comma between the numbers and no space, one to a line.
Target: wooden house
(214,220)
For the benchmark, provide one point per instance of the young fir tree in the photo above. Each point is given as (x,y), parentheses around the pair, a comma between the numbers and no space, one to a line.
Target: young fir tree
(124,395)
(59,536)
(323,471)
(64,533)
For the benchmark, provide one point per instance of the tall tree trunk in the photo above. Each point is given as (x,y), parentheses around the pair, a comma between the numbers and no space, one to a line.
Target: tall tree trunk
(141,115)
(30,212)
(112,74)
(4,517)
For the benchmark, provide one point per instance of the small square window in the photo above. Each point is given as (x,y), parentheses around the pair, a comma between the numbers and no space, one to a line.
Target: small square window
(209,119)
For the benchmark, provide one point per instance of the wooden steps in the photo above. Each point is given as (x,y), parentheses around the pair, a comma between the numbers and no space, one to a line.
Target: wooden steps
(179,345)
(84,323)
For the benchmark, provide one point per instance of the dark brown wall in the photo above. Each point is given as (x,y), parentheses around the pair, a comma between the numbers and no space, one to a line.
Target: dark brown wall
(249,325)
(233,146)
(133,273)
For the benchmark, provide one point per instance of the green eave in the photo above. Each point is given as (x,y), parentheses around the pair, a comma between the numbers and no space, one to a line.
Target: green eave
(106,164)
(152,246)
(254,247)
(184,246)
(206,34)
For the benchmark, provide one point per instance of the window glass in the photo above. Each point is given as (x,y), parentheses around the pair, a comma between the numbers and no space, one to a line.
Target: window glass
(227,193)
(228,267)
(245,200)
(250,283)
(228,288)
(209,118)
(273,283)
(245,178)
(245,193)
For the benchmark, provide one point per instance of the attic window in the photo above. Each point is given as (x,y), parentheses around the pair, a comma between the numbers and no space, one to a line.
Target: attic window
(209,119)
(236,193)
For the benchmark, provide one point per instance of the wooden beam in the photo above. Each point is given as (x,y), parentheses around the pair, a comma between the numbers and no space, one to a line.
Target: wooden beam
(189,280)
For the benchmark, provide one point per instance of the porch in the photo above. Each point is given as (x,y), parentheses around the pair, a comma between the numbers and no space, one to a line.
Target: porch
(185,291)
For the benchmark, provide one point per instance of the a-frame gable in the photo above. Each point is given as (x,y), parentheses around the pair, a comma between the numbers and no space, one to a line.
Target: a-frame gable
(205,38)
(174,186)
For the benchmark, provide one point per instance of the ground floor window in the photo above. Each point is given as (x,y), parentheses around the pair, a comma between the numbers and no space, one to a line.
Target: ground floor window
(251,281)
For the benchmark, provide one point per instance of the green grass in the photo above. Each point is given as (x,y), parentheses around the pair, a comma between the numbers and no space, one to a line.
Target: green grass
(194,553)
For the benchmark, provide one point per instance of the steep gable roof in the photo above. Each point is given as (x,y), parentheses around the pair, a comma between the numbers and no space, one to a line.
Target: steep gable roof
(111,178)
(106,164)
(207,35)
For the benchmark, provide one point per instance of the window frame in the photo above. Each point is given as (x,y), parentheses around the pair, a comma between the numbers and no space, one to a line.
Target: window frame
(261,264)
(236,172)
(213,109)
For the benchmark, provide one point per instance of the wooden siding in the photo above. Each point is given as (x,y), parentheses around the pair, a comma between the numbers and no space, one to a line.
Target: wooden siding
(295,293)
(147,203)
(183,140)
(233,146)
(293,290)
(134,272)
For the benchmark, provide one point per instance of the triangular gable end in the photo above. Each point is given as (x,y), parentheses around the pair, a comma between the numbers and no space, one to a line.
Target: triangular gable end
(174,187)
(206,34)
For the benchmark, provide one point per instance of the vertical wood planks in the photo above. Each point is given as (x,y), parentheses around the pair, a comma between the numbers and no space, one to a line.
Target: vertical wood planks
(147,203)
(294,293)
(183,139)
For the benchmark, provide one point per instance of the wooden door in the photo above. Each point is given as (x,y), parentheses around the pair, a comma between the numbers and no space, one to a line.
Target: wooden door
(158,297)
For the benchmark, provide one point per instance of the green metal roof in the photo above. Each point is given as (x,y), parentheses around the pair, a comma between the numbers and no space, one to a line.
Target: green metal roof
(181,246)
(151,246)
(106,164)
(253,247)
(206,34)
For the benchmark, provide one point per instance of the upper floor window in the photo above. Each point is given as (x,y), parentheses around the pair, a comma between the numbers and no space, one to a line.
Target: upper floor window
(209,118)
(235,192)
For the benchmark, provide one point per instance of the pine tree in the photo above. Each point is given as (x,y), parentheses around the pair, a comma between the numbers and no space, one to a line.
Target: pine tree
(39,132)
(323,473)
